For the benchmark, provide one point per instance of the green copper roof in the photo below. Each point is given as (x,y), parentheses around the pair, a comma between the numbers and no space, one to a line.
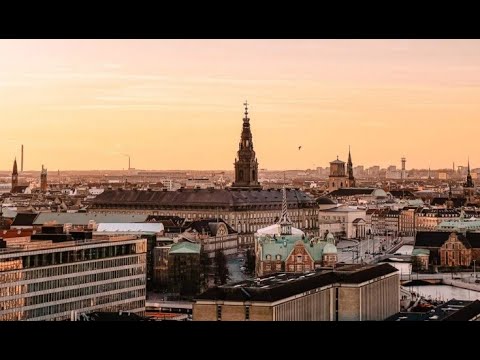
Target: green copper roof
(284,247)
(185,248)
(416,252)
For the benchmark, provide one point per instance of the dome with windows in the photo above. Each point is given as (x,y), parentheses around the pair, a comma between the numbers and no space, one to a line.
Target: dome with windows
(329,249)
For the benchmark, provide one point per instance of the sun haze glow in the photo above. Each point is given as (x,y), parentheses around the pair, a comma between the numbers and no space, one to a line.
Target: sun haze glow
(177,104)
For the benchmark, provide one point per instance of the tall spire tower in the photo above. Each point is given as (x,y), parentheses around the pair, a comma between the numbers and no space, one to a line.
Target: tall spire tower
(43,180)
(246,164)
(14,174)
(351,179)
(469,182)
(285,222)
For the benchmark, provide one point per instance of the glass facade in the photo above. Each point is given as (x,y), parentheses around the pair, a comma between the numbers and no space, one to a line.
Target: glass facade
(54,283)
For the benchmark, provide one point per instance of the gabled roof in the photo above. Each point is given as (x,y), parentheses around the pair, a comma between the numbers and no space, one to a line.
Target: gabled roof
(439,201)
(405,194)
(435,239)
(84,218)
(466,313)
(431,238)
(130,227)
(209,226)
(185,248)
(24,219)
(201,197)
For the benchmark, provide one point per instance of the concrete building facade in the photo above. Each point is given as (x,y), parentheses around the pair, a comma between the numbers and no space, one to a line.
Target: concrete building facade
(351,293)
(41,280)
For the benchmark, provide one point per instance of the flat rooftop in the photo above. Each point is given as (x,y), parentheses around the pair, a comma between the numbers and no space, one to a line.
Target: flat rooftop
(282,285)
(453,310)
(33,245)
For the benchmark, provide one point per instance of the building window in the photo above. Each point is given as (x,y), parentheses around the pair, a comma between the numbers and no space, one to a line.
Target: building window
(219,312)
(299,258)
(278,267)
(278,257)
(268,257)
(247,312)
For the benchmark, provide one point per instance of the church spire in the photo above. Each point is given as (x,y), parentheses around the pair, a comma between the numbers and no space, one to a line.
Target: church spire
(285,222)
(15,169)
(351,178)
(469,183)
(14,174)
(246,164)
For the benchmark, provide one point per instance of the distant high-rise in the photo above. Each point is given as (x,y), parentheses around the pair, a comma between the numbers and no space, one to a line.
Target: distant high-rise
(43,180)
(21,161)
(14,174)
(404,173)
(246,164)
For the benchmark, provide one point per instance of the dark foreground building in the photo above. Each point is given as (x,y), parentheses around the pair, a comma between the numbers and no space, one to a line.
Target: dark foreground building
(348,293)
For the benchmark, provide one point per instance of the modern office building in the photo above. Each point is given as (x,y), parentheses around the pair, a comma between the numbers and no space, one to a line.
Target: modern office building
(45,280)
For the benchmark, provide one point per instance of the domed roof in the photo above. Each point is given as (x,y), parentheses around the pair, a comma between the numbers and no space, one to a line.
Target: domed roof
(323,200)
(330,236)
(330,249)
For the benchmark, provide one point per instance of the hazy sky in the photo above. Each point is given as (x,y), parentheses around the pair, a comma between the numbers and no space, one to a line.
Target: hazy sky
(177,104)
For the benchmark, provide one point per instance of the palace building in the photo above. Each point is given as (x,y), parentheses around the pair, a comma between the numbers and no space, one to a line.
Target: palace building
(245,206)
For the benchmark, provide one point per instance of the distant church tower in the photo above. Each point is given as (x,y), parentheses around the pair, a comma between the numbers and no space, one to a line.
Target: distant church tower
(14,174)
(338,178)
(469,186)
(351,178)
(43,180)
(246,164)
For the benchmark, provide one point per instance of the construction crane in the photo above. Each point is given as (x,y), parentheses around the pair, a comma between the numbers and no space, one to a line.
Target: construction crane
(221,180)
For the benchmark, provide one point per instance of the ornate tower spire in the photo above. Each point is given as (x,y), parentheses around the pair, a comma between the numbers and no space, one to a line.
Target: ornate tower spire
(351,178)
(285,222)
(246,164)
(15,174)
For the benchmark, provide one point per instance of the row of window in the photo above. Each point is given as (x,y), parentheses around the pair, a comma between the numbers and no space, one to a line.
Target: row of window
(85,291)
(239,216)
(70,269)
(85,279)
(79,305)
(66,306)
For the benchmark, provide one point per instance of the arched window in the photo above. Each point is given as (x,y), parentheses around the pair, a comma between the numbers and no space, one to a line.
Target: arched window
(269,257)
(240,175)
(253,175)
(333,184)
(341,184)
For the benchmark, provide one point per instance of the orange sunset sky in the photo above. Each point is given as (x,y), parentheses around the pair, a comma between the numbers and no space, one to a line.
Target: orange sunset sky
(177,104)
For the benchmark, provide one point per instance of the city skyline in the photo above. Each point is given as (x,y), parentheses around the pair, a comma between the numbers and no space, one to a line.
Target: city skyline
(87,104)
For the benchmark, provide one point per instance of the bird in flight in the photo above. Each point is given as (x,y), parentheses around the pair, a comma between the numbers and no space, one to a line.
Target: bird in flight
(299,147)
